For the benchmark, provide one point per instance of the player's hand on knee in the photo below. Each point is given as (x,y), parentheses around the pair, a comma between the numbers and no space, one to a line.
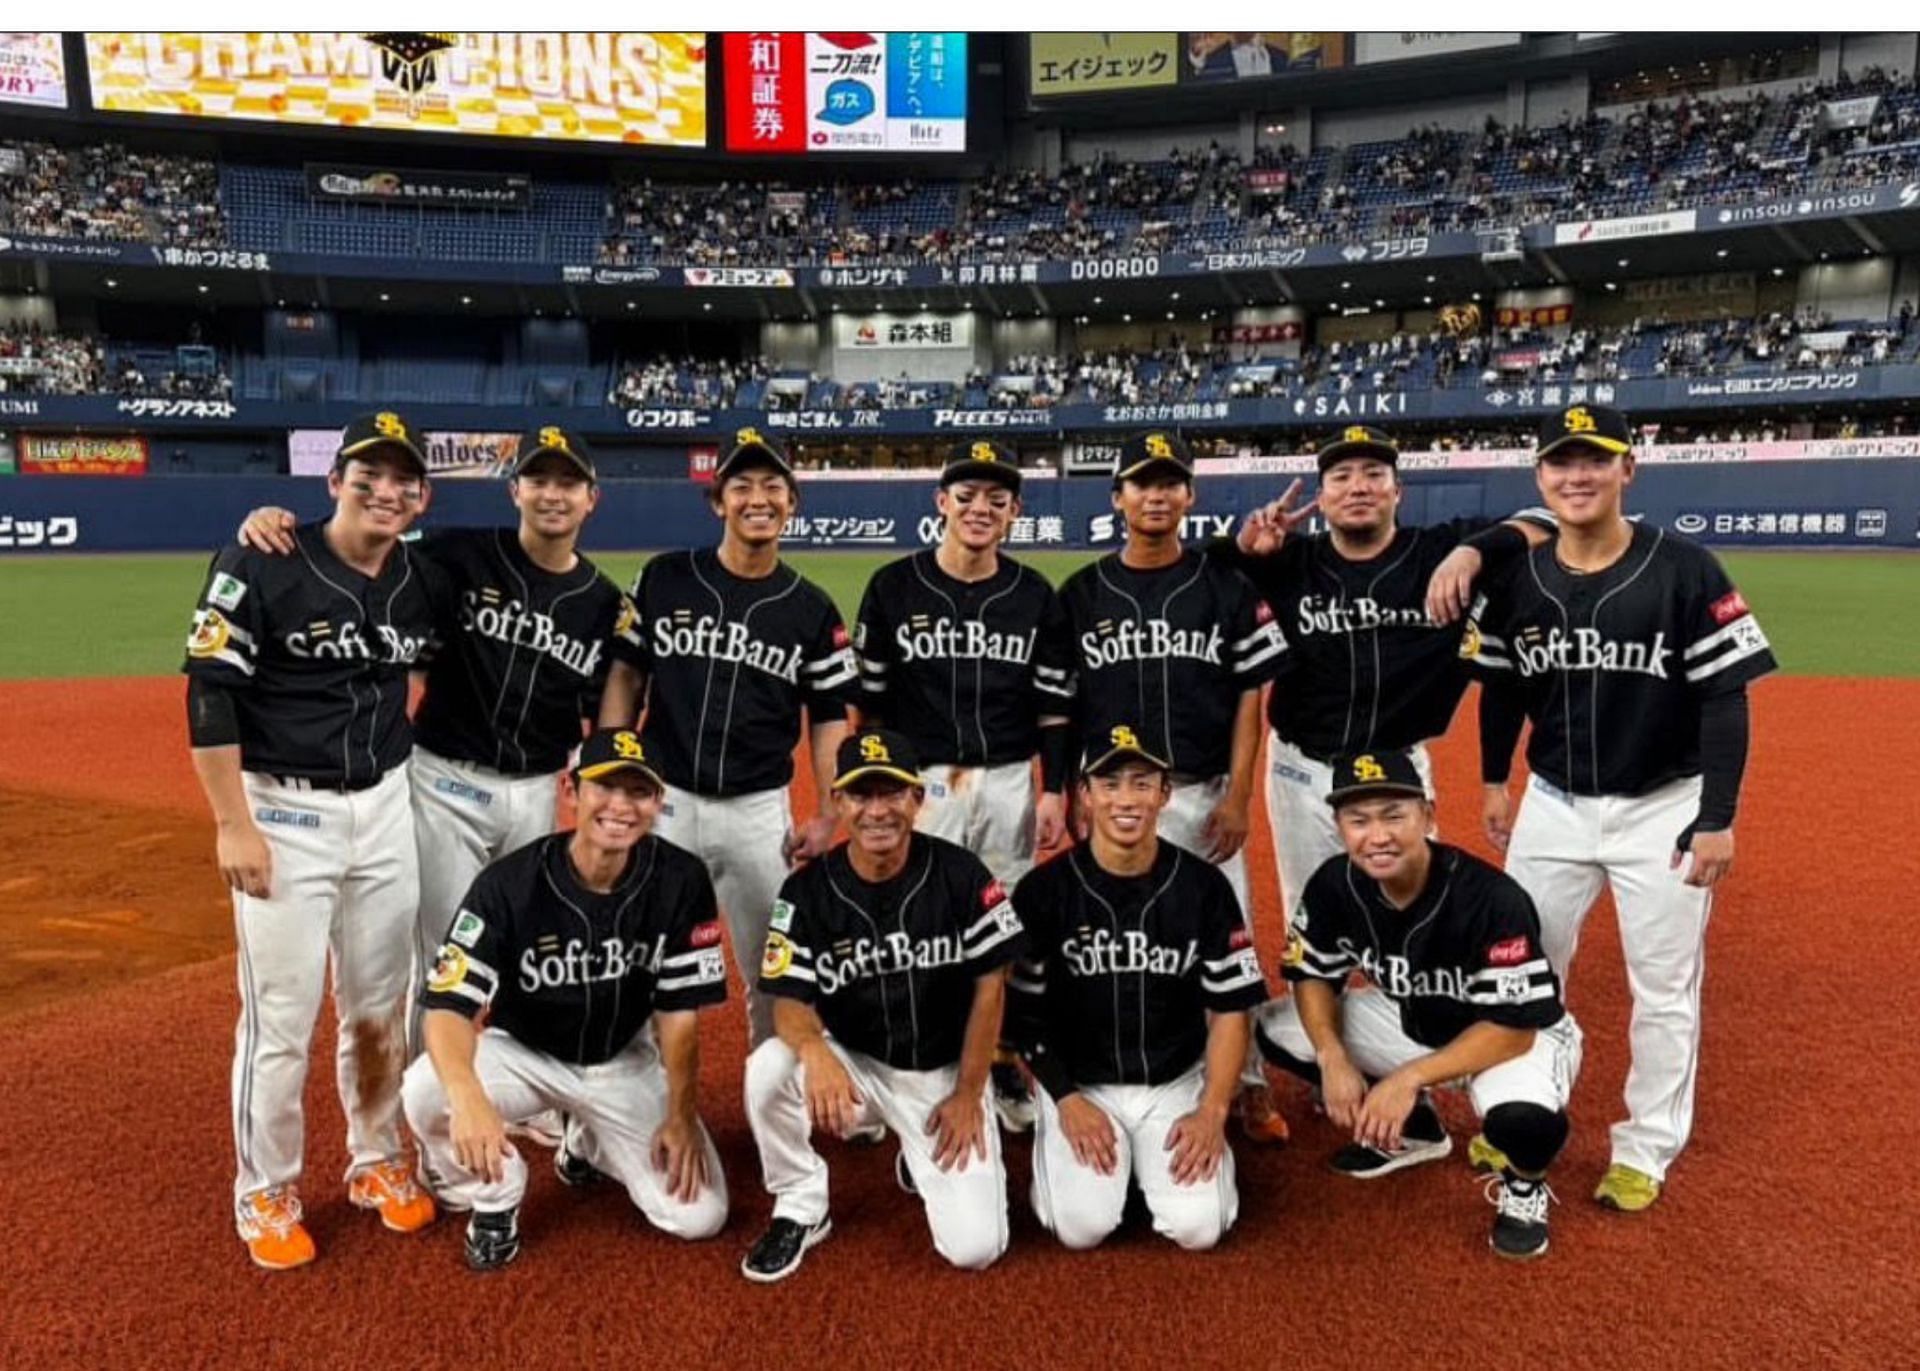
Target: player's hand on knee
(1496,815)
(1450,588)
(268,529)
(479,1135)
(680,1154)
(246,861)
(958,1127)
(1342,1091)
(1198,1141)
(1712,856)
(1049,821)
(832,1102)
(1226,830)
(1090,1134)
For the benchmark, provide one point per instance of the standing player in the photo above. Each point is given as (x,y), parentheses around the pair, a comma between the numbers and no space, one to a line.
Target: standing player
(1630,652)
(966,653)
(1131,1002)
(590,952)
(1367,668)
(1177,645)
(735,647)
(1461,991)
(296,709)
(886,964)
(537,628)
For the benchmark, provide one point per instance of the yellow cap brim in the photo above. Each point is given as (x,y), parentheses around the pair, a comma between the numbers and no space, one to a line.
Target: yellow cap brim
(877,769)
(599,769)
(1611,445)
(368,444)
(1139,754)
(1145,462)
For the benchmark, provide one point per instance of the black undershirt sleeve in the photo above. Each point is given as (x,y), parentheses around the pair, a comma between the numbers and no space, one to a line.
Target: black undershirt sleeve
(1724,724)
(1502,712)
(1497,544)
(1049,1070)
(212,719)
(1056,757)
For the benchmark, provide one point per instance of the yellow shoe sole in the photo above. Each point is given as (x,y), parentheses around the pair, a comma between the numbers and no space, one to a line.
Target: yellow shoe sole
(1483,1156)
(1630,1193)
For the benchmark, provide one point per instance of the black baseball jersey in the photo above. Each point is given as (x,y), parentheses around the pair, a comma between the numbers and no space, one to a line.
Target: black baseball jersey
(1364,669)
(317,655)
(1466,950)
(526,657)
(572,972)
(1613,664)
(890,968)
(1120,971)
(1169,652)
(730,665)
(965,669)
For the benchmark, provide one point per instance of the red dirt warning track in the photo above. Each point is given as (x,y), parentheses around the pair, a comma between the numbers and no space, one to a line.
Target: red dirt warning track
(1787,1237)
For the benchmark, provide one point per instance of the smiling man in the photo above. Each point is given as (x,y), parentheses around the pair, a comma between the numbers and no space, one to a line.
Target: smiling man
(738,650)
(590,952)
(297,713)
(1460,989)
(967,653)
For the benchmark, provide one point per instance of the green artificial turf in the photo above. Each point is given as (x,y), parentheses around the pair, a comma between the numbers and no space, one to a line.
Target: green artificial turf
(1829,614)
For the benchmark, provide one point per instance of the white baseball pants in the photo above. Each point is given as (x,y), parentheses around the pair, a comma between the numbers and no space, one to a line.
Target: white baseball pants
(617,1106)
(966,1207)
(986,809)
(1081,1207)
(1184,824)
(464,816)
(739,838)
(1378,1046)
(345,885)
(1563,847)
(1299,817)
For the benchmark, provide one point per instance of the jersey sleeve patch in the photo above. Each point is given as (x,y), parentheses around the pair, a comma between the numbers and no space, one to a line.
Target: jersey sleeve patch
(216,638)
(1728,608)
(1509,951)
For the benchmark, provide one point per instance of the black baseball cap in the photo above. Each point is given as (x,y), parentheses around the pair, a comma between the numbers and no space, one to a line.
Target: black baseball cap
(1122,745)
(982,459)
(1600,426)
(608,750)
(538,442)
(876,752)
(751,448)
(1159,448)
(1358,440)
(1368,774)
(382,428)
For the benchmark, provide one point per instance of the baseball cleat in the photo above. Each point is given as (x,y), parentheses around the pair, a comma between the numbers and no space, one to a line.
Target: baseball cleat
(493,1240)
(1485,1158)
(389,1189)
(780,1249)
(1012,1100)
(871,1135)
(572,1168)
(1520,1225)
(1626,1189)
(269,1224)
(1422,1139)
(1260,1118)
(546,1128)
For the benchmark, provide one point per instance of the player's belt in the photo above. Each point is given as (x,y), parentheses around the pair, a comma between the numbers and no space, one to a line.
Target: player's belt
(342,784)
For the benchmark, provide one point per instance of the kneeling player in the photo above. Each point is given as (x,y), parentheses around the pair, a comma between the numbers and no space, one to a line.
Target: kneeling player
(886,964)
(1131,1006)
(593,949)
(1460,989)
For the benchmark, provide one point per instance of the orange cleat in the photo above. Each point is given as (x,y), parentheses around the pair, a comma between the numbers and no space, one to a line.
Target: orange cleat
(1260,1118)
(269,1224)
(389,1188)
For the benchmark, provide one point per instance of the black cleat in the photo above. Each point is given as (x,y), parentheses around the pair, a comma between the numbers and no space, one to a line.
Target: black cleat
(903,1174)
(1012,1100)
(1520,1226)
(779,1252)
(1423,1139)
(493,1240)
(572,1168)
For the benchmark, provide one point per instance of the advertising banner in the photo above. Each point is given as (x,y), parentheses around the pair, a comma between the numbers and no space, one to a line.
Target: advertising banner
(1252,56)
(33,70)
(82,455)
(593,87)
(1396,47)
(846,92)
(1087,63)
(310,452)
(410,186)
(896,332)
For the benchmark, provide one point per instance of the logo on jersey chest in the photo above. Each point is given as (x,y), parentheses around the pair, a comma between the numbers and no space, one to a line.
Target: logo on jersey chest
(1396,975)
(723,641)
(1319,614)
(1102,952)
(550,963)
(323,640)
(1113,641)
(1585,649)
(924,638)
(486,614)
(864,958)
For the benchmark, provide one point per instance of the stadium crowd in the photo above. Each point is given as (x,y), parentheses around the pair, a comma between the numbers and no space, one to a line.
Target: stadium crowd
(109,191)
(34,361)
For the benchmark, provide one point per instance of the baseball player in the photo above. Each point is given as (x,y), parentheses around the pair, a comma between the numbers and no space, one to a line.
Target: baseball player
(1131,1003)
(537,628)
(591,953)
(966,652)
(735,648)
(296,710)
(1458,989)
(1178,645)
(1366,666)
(886,964)
(1630,652)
